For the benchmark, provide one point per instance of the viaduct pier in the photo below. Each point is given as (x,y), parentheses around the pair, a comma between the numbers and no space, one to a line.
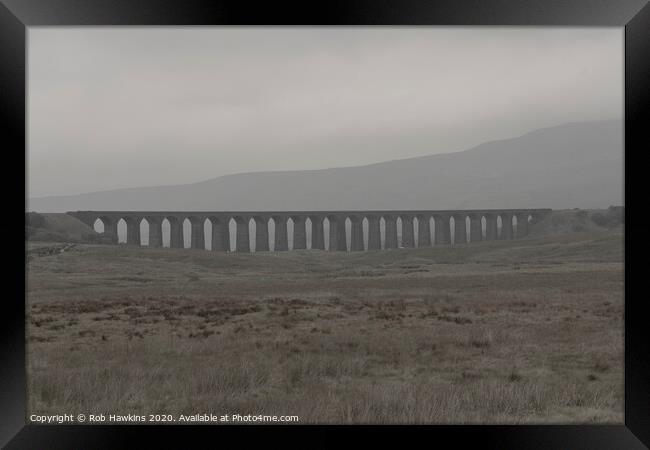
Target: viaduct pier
(326,230)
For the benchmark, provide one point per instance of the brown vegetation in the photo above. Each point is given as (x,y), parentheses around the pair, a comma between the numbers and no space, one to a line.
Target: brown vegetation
(497,332)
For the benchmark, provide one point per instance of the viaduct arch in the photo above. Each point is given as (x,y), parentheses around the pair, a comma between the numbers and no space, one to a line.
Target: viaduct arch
(467,227)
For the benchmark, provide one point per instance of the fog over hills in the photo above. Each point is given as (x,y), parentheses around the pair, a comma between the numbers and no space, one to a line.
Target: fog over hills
(573,165)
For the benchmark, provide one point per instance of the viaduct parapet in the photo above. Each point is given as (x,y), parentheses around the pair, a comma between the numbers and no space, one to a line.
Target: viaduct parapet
(346,230)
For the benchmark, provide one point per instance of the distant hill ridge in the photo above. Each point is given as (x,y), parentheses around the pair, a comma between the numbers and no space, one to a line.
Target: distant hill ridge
(566,166)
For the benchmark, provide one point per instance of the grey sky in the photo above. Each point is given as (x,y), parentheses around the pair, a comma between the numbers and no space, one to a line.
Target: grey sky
(123,107)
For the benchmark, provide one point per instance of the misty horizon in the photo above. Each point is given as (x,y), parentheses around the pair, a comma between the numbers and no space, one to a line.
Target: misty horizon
(121,108)
(118,188)
(567,166)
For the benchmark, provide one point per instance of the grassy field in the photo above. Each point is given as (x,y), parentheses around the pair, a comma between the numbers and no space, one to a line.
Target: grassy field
(522,331)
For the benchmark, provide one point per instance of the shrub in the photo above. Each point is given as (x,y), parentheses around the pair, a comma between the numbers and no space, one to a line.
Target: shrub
(616,214)
(599,219)
(613,217)
(514,376)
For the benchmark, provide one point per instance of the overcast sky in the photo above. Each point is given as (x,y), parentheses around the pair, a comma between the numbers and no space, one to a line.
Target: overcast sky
(126,107)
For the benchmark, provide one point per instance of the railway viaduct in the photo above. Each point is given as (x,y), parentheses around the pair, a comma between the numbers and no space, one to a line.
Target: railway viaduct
(347,230)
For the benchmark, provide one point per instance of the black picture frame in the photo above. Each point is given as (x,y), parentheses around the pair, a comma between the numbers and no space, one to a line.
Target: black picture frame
(17,15)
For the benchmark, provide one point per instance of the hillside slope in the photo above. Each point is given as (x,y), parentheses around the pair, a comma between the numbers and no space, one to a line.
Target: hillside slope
(572,165)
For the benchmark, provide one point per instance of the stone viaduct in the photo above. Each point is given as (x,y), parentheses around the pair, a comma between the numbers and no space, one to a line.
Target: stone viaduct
(464,225)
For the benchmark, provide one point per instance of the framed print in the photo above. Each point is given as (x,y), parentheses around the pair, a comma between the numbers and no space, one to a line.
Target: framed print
(393,219)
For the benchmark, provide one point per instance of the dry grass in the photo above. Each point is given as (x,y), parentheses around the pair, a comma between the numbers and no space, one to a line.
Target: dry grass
(498,332)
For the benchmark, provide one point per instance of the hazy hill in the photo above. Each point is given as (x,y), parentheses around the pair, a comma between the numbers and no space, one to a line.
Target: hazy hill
(572,165)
